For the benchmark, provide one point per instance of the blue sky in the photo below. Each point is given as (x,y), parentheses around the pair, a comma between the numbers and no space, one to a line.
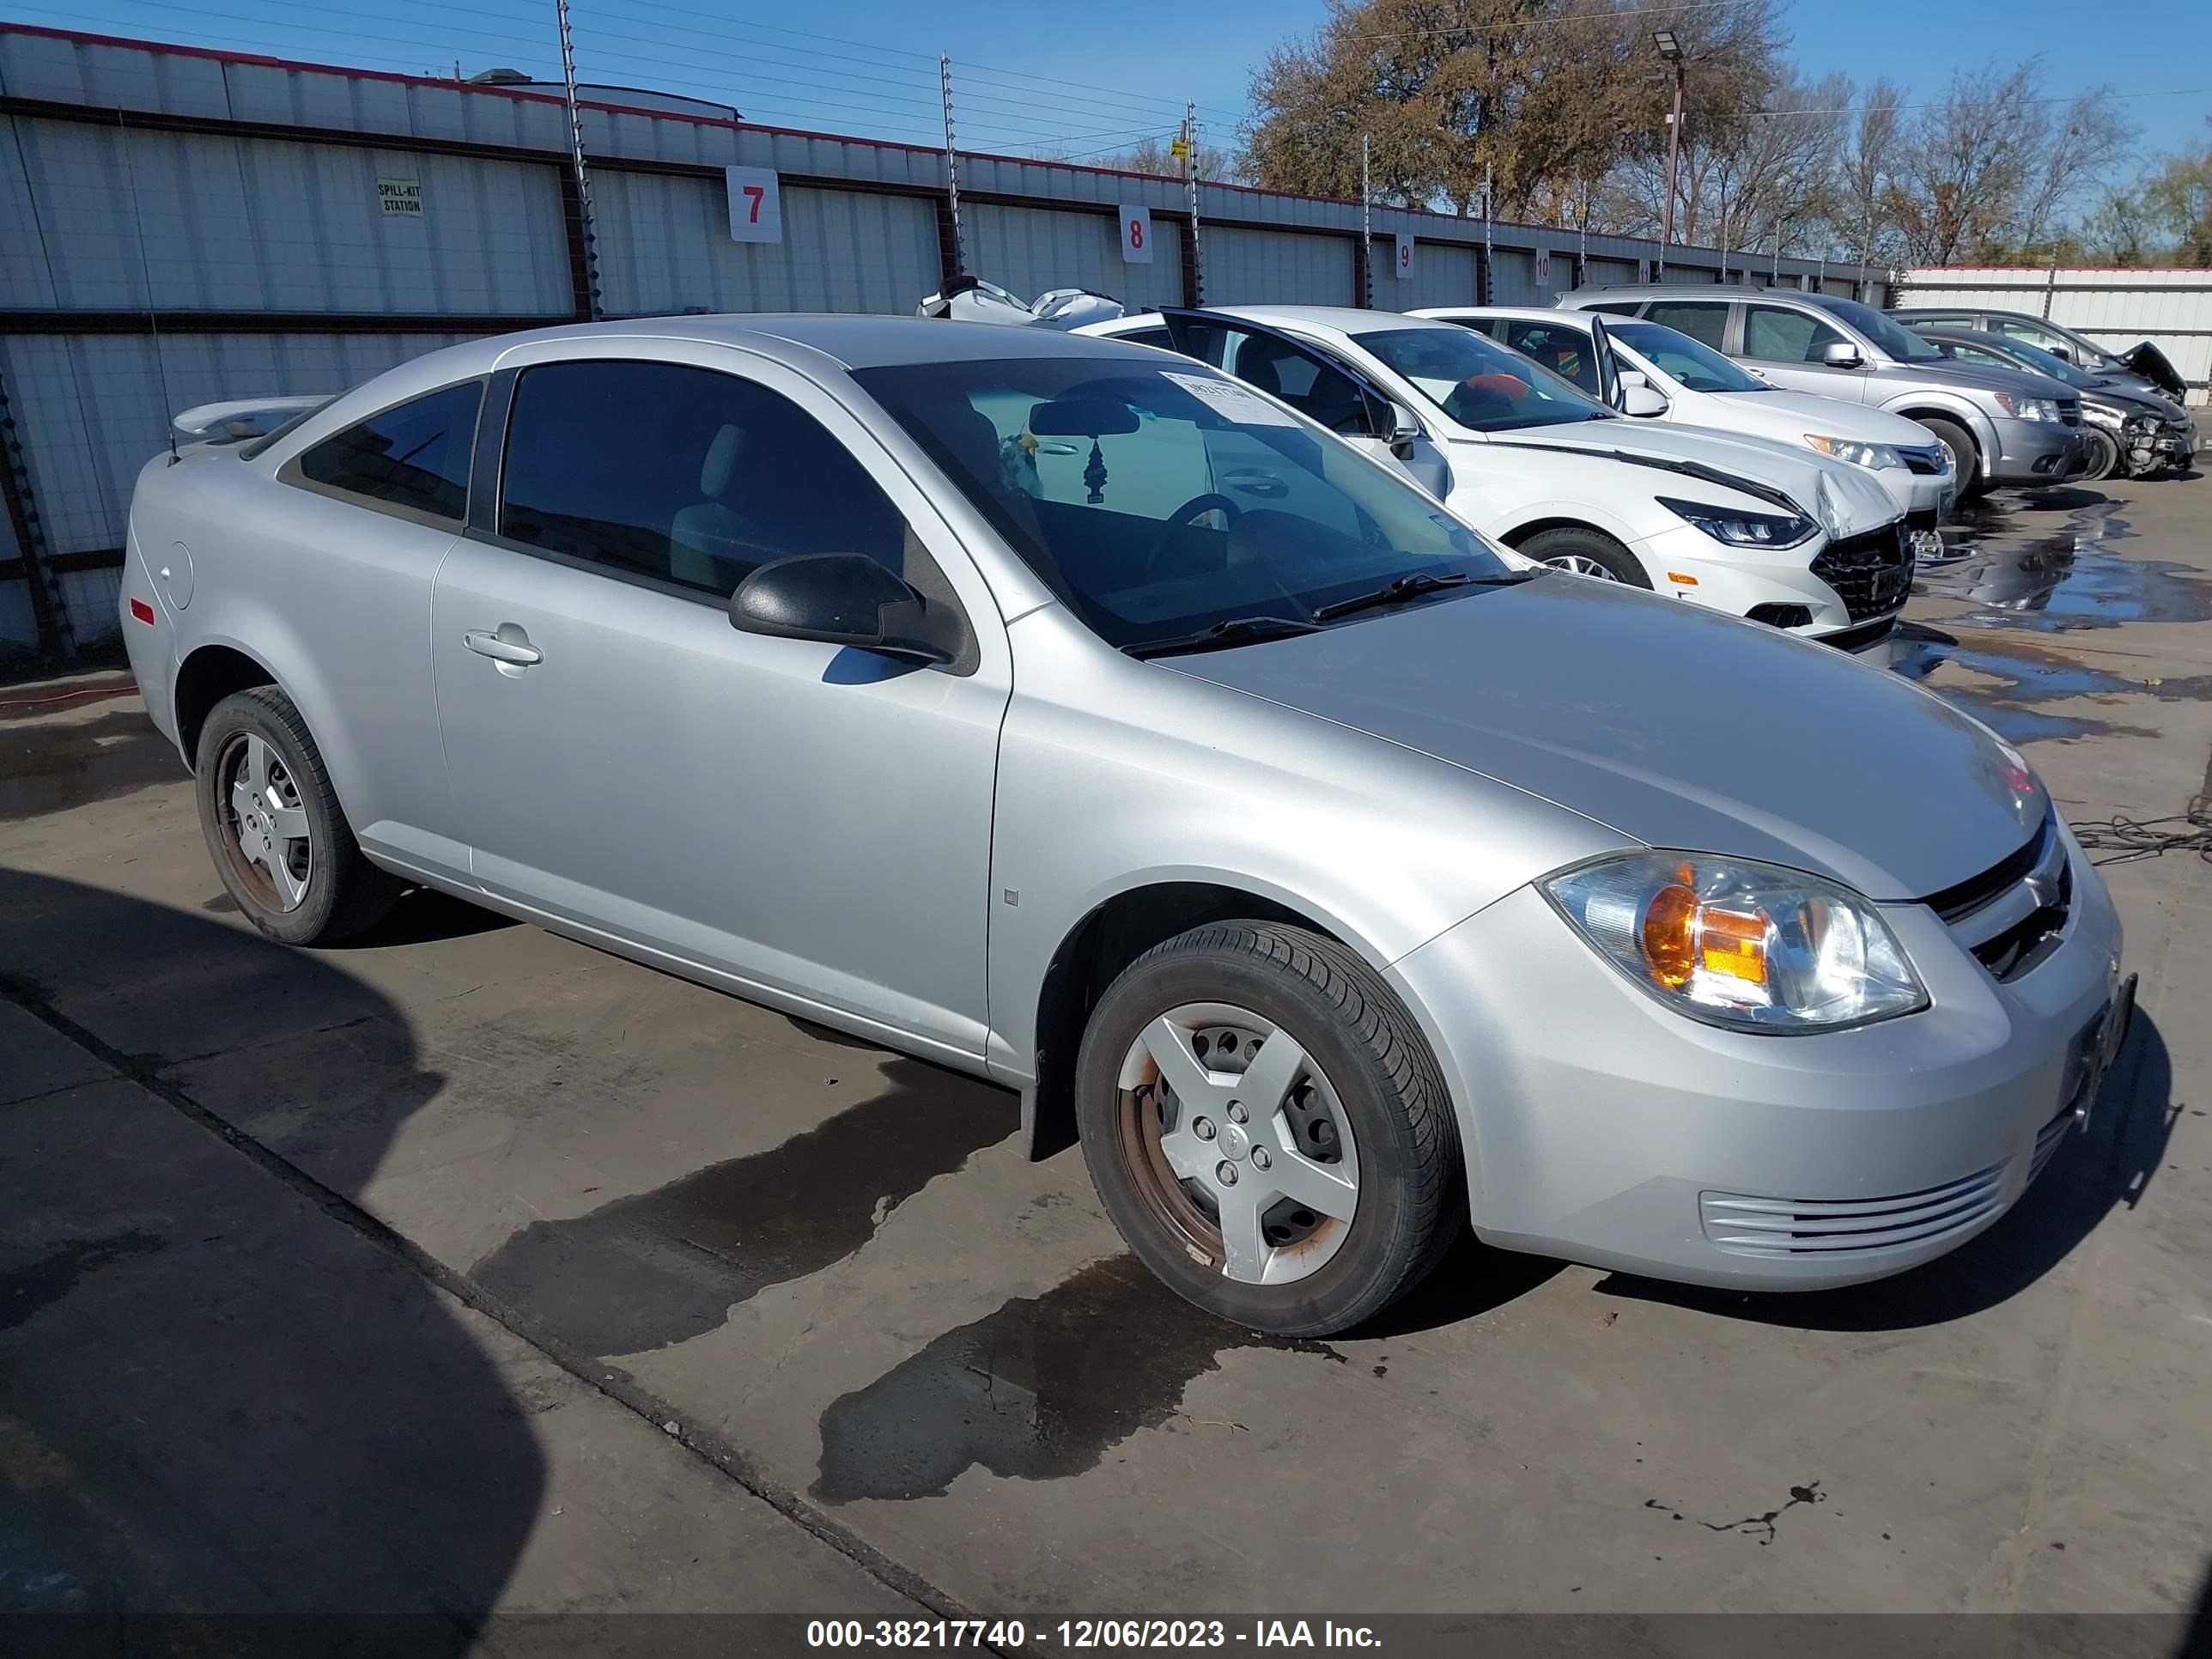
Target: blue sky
(1090,78)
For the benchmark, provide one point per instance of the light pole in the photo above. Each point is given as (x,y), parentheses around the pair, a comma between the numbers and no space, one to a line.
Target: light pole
(1671,50)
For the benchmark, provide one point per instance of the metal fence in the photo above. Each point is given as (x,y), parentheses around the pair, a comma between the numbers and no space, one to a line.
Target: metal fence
(2118,308)
(178,226)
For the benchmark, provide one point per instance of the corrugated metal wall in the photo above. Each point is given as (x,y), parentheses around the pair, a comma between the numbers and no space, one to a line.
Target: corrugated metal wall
(1032,250)
(1614,273)
(1264,267)
(93,404)
(1513,278)
(2115,308)
(665,244)
(232,224)
(1442,276)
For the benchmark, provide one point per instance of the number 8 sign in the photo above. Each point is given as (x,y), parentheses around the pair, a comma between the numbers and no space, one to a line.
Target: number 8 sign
(756,207)
(1136,235)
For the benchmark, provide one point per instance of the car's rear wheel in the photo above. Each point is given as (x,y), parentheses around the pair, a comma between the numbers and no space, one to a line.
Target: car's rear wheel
(1268,1129)
(2101,456)
(1586,553)
(1958,444)
(281,843)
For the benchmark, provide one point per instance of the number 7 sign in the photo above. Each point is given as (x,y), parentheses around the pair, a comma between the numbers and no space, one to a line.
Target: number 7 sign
(756,206)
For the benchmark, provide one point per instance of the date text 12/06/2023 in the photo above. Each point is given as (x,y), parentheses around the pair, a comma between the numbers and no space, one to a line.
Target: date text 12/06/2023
(1083,1633)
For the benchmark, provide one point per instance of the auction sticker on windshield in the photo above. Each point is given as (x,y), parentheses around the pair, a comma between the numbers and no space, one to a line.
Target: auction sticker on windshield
(1225,397)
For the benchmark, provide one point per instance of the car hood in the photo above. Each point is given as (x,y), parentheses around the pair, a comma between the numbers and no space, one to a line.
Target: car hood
(2155,367)
(1801,412)
(1972,377)
(1845,500)
(1676,726)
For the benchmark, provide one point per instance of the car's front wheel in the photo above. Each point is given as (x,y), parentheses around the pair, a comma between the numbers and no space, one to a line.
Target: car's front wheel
(1957,445)
(281,843)
(2100,457)
(1267,1128)
(1583,552)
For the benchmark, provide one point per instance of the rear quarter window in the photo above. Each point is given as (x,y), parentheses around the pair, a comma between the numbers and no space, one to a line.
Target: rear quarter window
(411,460)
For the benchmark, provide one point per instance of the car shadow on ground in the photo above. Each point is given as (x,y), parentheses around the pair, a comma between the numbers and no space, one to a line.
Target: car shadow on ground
(2111,1164)
(229,1403)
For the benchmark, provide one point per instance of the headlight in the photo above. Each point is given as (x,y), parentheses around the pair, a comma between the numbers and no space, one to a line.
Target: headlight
(1741,945)
(1740,529)
(1876,456)
(2028,409)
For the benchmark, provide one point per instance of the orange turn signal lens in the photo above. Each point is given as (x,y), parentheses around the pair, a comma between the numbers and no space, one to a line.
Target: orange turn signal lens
(1677,576)
(1733,943)
(1670,935)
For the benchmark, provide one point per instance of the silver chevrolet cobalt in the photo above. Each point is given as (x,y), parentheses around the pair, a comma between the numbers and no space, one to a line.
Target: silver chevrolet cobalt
(1065,713)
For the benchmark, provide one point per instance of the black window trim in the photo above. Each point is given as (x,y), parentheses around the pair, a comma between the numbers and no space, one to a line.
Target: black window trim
(486,478)
(290,473)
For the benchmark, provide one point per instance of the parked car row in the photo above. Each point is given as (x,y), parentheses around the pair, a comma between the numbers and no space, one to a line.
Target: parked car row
(1193,740)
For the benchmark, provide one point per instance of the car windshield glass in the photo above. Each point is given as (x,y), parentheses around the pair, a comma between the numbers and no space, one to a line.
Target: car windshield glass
(2040,361)
(1158,502)
(1477,381)
(1886,332)
(1692,362)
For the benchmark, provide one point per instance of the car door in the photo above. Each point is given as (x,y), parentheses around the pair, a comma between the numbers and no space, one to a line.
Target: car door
(813,822)
(1314,382)
(1785,344)
(381,502)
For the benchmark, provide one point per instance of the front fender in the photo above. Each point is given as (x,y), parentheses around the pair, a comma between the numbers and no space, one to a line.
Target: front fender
(1953,407)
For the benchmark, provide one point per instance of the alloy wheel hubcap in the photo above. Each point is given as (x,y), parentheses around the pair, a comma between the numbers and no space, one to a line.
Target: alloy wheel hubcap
(1239,1142)
(268,825)
(1576,564)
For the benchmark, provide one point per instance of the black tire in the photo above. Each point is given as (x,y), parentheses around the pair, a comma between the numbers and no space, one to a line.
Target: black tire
(2100,455)
(1965,458)
(1411,1202)
(345,893)
(1573,541)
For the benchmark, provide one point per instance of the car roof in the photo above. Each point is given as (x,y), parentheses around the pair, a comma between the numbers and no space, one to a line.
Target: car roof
(855,342)
(1722,293)
(1519,313)
(1343,318)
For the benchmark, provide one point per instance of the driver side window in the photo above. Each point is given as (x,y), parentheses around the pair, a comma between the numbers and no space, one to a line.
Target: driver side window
(1301,377)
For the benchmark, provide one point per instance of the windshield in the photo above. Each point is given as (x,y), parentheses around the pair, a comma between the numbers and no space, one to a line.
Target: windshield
(1692,362)
(1159,502)
(1477,381)
(1886,332)
(2042,362)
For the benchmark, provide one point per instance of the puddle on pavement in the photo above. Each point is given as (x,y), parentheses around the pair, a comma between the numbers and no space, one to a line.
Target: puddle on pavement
(659,1267)
(2046,561)
(1038,1391)
(49,767)
(2030,673)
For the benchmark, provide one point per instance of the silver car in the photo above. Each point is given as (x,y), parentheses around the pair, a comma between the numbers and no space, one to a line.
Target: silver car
(1074,716)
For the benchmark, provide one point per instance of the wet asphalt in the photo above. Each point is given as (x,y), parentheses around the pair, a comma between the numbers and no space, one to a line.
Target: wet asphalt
(466,1269)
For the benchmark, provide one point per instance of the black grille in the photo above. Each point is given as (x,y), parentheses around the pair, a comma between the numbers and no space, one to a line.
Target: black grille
(1925,462)
(1969,896)
(1871,574)
(2069,410)
(1922,518)
(1855,639)
(2030,939)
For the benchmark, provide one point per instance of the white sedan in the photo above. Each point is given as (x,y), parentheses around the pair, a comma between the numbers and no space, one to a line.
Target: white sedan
(1771,531)
(1687,381)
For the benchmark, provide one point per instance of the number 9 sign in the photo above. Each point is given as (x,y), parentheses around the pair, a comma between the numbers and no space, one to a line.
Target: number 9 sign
(1136,235)
(1402,263)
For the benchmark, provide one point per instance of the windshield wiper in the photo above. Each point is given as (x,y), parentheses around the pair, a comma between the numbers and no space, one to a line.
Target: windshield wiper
(1412,587)
(1236,630)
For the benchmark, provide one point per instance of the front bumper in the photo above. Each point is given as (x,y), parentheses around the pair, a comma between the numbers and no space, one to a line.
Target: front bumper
(2034,452)
(1604,1127)
(1683,561)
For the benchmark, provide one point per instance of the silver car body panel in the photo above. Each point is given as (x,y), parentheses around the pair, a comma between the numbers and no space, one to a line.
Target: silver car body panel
(904,853)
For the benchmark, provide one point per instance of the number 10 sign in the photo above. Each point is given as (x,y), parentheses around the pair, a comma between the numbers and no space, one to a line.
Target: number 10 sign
(756,209)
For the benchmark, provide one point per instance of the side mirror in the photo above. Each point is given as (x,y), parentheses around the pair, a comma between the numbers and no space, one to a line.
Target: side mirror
(1405,431)
(1639,397)
(1841,354)
(845,599)
(2061,350)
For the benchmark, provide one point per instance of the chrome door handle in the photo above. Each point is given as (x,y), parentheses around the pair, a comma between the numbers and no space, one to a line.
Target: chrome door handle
(520,653)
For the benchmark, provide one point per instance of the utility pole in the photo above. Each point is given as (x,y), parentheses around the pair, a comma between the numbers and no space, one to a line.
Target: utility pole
(951,163)
(593,307)
(1367,230)
(1190,188)
(1489,254)
(1670,48)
